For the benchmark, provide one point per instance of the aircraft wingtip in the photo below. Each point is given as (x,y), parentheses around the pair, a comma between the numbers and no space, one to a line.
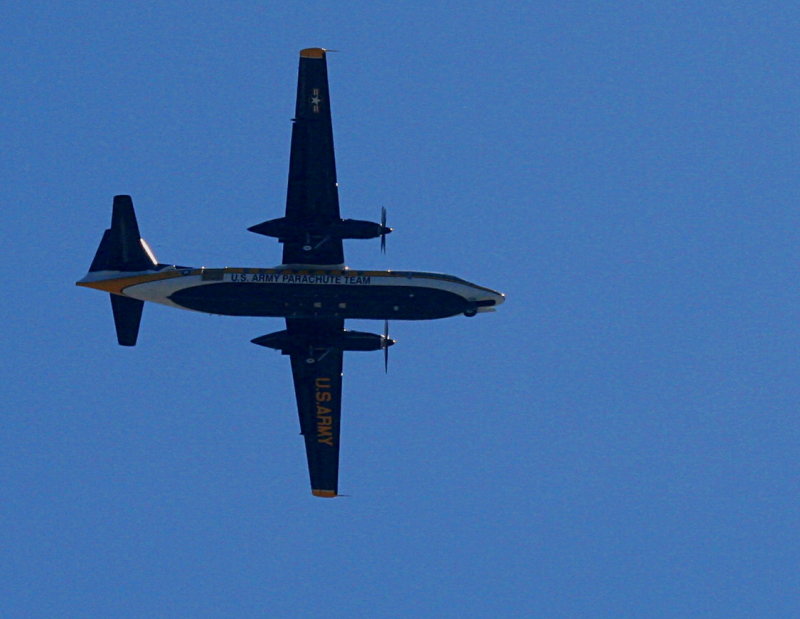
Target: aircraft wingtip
(312,52)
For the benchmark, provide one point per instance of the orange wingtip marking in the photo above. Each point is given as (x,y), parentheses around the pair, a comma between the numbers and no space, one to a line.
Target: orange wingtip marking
(326,494)
(312,52)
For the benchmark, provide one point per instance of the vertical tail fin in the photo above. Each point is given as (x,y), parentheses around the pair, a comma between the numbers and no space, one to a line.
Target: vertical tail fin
(122,248)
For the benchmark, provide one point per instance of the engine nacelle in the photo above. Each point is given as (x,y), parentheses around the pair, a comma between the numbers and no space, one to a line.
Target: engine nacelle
(287,229)
(344,340)
(281,228)
(357,229)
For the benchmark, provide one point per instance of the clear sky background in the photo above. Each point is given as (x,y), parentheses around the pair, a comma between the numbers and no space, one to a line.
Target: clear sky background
(620,439)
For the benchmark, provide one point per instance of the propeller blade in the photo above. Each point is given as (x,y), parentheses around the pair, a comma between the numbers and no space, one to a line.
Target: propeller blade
(386,346)
(383,230)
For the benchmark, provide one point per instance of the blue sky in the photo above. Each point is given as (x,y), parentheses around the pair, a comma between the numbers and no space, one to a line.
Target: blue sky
(620,439)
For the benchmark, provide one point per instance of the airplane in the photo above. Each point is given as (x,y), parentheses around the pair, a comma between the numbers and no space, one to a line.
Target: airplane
(311,289)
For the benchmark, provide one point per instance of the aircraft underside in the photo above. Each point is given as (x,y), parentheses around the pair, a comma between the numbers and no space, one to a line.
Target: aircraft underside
(311,289)
(281,301)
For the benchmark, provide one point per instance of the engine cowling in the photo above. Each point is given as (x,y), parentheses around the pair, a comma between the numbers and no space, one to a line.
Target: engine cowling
(344,340)
(286,229)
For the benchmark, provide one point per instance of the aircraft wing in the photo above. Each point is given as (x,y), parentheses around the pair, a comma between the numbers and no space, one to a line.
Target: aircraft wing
(317,374)
(312,199)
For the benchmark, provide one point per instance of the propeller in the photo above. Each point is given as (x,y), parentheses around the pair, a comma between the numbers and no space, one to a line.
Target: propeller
(385,343)
(384,230)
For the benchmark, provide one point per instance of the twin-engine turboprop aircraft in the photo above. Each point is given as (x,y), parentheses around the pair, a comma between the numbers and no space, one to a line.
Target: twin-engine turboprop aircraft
(311,289)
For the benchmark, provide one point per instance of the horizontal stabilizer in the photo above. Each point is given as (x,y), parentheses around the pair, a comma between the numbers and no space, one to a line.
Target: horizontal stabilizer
(122,249)
(127,317)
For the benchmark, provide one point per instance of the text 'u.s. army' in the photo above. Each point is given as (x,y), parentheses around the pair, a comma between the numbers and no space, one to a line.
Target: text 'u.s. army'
(322,388)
